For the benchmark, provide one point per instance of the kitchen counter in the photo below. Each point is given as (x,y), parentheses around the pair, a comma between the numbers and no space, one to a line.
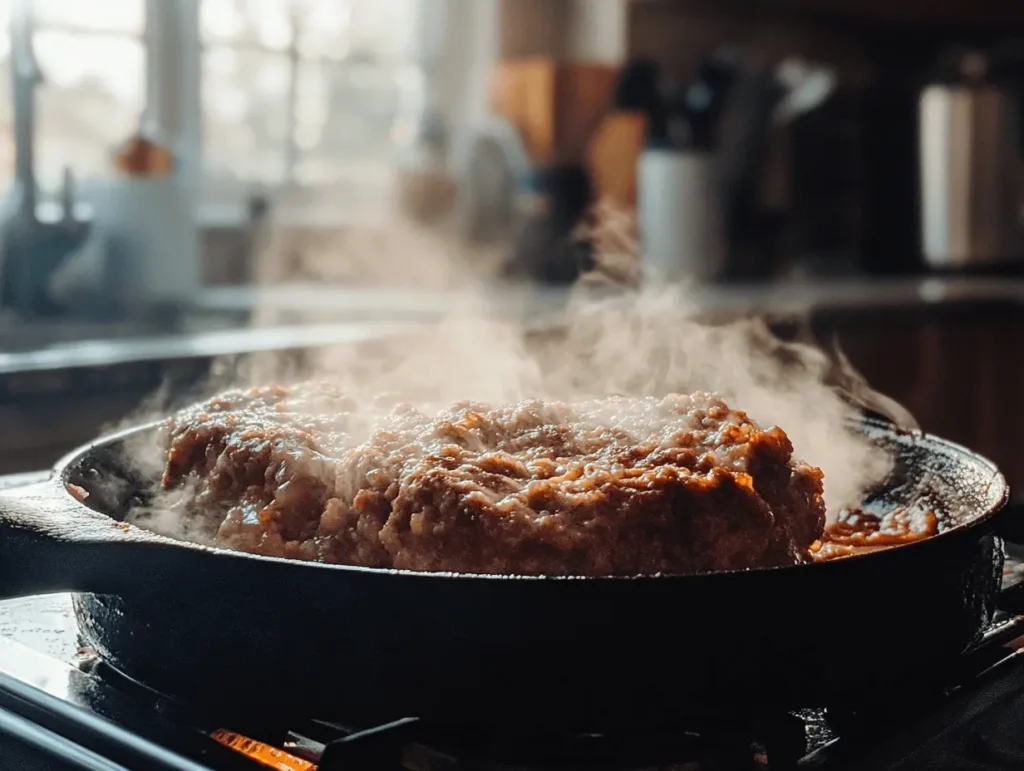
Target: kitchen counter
(937,345)
(872,294)
(202,344)
(803,296)
(42,623)
(61,385)
(303,317)
(309,316)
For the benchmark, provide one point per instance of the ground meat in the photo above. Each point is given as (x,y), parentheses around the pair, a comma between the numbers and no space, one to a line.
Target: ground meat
(619,486)
(856,531)
(259,465)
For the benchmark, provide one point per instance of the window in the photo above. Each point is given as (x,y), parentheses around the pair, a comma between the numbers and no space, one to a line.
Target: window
(303,91)
(92,60)
(293,91)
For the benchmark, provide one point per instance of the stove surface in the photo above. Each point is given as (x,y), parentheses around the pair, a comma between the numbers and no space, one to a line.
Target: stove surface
(44,624)
(62,707)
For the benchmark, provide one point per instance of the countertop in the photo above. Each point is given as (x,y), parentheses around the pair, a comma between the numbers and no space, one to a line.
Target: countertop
(865,293)
(45,624)
(64,381)
(309,316)
(199,343)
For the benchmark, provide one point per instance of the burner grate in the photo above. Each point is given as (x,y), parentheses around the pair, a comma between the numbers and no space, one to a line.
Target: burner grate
(990,674)
(774,742)
(377,747)
(413,744)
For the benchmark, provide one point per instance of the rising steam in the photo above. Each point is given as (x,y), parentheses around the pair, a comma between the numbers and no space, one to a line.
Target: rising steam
(645,343)
(644,340)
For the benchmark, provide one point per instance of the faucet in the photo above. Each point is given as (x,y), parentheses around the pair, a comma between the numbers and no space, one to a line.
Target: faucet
(26,74)
(32,247)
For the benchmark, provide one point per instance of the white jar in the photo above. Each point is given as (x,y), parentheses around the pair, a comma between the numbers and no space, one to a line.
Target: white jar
(680,214)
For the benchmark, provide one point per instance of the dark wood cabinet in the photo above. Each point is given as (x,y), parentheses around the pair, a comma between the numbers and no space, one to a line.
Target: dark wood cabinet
(973,13)
(960,374)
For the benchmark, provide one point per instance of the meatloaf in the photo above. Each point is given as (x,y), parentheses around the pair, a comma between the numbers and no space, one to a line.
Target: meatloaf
(620,486)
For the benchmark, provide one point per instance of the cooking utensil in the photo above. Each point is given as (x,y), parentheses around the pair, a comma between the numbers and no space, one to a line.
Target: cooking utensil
(706,95)
(679,209)
(226,629)
(637,115)
(806,88)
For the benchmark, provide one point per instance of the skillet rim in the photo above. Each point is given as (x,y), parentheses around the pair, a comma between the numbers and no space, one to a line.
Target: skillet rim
(62,469)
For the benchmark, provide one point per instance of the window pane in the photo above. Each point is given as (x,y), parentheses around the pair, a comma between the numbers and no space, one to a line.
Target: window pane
(245,114)
(262,23)
(126,16)
(90,101)
(325,29)
(344,115)
(6,101)
(6,121)
(337,29)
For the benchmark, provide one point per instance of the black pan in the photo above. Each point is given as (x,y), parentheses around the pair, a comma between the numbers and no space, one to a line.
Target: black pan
(231,629)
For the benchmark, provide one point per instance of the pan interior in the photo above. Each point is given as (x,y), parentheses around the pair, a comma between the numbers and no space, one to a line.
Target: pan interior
(111,472)
(960,486)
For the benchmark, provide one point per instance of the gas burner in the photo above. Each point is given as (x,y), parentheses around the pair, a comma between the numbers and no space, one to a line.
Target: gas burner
(425,749)
(415,744)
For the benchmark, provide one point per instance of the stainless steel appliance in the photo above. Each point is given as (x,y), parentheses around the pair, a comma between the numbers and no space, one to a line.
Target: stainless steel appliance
(971,165)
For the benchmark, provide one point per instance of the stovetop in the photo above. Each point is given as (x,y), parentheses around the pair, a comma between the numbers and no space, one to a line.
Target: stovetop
(76,712)
(61,707)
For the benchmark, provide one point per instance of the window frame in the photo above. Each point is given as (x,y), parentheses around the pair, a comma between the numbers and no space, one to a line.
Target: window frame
(296,61)
(174,48)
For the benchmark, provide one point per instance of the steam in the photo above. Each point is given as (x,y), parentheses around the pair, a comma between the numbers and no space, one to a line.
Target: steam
(642,338)
(647,339)
(647,342)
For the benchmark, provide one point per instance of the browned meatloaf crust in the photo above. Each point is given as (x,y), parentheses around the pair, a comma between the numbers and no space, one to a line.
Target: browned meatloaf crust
(613,487)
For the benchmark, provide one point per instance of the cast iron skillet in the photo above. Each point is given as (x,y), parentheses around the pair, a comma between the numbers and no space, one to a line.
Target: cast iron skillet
(232,629)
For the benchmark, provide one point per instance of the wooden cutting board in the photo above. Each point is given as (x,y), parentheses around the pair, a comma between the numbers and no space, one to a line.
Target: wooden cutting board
(555,106)
(612,157)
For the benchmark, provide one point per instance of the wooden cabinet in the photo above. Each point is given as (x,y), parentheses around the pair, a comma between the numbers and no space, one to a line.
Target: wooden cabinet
(976,13)
(958,373)
(972,13)
(555,106)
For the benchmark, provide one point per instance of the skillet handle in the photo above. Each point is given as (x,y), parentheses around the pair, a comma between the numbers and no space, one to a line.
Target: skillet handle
(1009,523)
(50,542)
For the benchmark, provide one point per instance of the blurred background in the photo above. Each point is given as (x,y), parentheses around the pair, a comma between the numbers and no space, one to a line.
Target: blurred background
(184,181)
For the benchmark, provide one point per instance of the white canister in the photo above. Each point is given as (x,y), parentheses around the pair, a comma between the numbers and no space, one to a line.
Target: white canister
(680,214)
(154,247)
